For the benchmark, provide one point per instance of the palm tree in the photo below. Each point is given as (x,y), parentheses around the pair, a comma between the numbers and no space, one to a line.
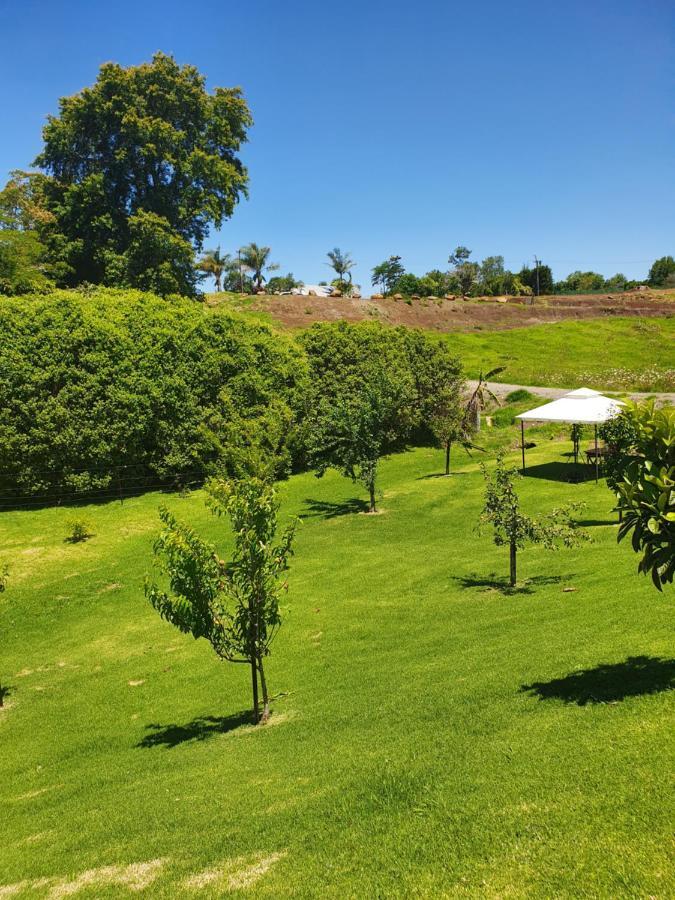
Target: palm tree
(341,263)
(215,263)
(254,258)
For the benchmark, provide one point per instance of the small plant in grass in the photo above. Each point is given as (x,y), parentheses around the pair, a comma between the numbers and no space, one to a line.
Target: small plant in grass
(79,530)
(519,396)
(234,605)
(515,529)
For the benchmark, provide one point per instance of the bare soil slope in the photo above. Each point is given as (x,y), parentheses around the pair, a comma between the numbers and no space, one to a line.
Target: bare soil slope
(461,315)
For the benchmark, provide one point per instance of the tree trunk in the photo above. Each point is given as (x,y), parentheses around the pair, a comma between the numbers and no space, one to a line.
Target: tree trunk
(513,563)
(254,684)
(371,488)
(447,457)
(266,699)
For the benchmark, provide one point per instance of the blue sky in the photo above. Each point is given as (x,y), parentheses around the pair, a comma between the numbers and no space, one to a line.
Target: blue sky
(399,127)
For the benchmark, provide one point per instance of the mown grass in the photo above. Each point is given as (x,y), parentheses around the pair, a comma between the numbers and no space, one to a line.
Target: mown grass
(432,732)
(614,354)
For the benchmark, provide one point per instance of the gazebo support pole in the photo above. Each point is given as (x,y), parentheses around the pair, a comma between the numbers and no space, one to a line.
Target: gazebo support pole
(596,454)
(522,441)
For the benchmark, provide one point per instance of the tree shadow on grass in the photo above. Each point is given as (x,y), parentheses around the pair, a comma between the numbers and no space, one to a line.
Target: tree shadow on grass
(199,729)
(5,691)
(609,682)
(500,583)
(595,523)
(324,509)
(561,471)
(440,475)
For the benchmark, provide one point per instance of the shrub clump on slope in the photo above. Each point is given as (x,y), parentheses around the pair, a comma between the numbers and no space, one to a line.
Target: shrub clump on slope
(107,388)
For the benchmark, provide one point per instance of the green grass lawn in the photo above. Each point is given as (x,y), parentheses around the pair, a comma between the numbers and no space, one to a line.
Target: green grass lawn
(610,353)
(433,734)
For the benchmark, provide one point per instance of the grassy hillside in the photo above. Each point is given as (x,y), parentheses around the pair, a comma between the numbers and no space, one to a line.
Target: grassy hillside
(432,733)
(617,354)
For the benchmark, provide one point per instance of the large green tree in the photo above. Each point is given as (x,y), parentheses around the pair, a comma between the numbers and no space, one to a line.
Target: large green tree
(146,154)
(387,273)
(662,272)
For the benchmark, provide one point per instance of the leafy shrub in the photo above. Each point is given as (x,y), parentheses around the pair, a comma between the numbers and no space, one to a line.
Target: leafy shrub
(107,388)
(519,396)
(79,530)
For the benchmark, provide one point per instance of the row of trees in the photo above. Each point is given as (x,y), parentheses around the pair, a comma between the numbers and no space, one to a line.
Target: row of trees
(490,278)
(247,271)
(235,605)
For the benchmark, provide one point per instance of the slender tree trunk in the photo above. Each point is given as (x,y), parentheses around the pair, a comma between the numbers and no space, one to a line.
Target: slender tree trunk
(266,699)
(371,488)
(512,548)
(254,684)
(447,457)
(254,660)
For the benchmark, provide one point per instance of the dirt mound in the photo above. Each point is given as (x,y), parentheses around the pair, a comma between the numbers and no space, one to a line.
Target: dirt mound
(441,314)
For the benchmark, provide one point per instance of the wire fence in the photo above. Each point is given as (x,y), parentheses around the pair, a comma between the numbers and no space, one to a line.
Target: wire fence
(91,484)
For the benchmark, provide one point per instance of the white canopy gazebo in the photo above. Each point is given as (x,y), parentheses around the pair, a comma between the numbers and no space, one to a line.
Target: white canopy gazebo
(581,407)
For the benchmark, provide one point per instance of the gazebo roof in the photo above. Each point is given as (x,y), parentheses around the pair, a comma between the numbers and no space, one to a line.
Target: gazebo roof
(581,407)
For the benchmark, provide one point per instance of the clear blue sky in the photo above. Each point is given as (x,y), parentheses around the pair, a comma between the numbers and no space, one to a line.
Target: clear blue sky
(402,127)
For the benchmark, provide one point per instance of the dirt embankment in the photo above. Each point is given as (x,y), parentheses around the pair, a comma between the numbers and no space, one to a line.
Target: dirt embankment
(465,315)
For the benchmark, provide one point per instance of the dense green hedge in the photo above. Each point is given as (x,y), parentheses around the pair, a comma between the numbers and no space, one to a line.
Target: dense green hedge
(108,386)
(110,391)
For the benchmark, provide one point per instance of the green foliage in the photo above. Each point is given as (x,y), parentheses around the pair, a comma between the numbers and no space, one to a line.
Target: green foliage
(662,272)
(282,283)
(79,530)
(216,264)
(370,388)
(22,265)
(104,385)
(580,283)
(342,264)
(519,395)
(255,259)
(157,258)
(647,490)
(235,605)
(387,273)
(23,202)
(528,277)
(619,434)
(144,155)
(514,528)
(466,272)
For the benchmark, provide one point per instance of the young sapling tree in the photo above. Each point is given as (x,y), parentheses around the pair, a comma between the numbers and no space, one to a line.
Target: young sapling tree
(451,423)
(514,528)
(351,431)
(234,605)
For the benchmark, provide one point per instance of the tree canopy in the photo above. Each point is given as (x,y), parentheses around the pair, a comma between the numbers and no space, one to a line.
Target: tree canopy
(140,165)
